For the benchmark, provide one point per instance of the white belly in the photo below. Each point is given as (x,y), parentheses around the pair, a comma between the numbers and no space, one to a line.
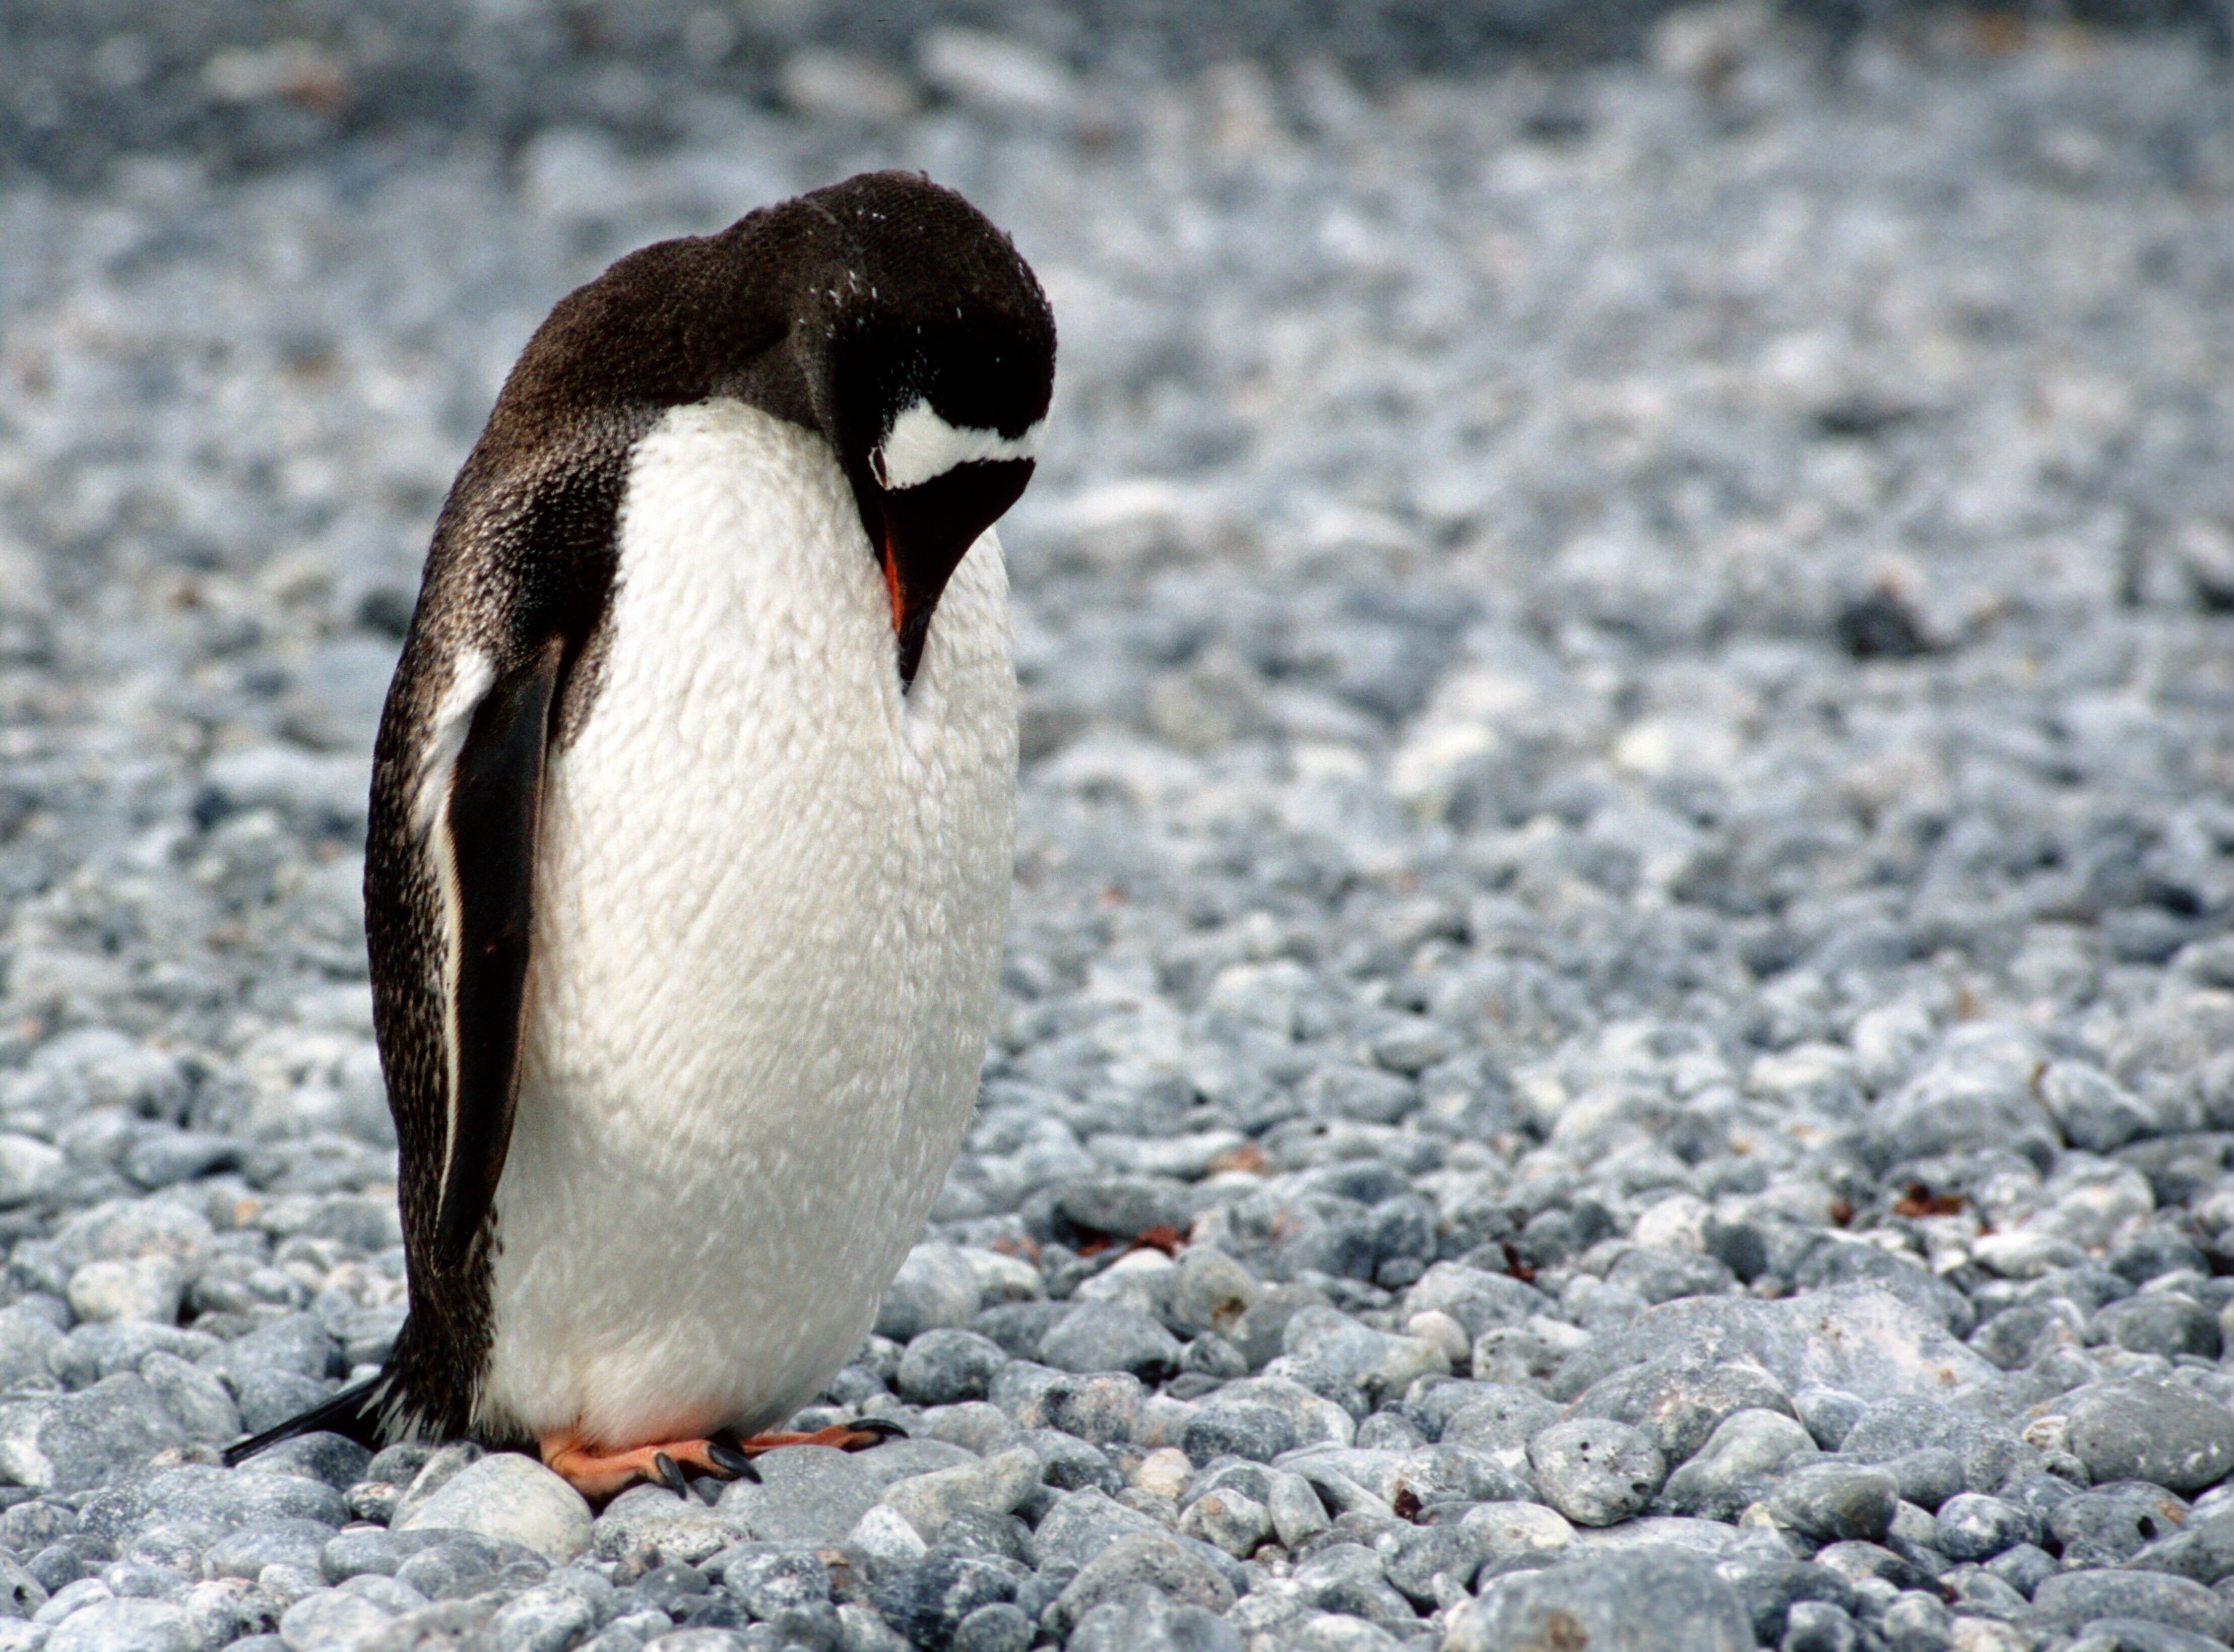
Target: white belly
(770,892)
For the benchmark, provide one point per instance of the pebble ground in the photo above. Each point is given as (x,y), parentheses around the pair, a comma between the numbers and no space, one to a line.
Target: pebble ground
(1620,1016)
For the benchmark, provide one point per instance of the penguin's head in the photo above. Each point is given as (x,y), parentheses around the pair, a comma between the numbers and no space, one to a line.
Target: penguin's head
(884,312)
(931,375)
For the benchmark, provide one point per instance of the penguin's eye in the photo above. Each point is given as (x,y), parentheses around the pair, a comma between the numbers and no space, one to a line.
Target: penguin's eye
(920,446)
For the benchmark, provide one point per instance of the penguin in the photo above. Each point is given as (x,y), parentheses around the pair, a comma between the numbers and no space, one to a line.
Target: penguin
(691,834)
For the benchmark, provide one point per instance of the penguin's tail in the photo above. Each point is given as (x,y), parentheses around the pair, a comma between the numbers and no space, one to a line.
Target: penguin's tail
(359,1413)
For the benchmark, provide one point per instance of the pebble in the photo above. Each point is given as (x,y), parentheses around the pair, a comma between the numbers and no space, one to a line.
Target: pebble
(2162,1432)
(1639,1598)
(1104,1336)
(1596,1473)
(512,1499)
(935,1288)
(126,1626)
(1727,1473)
(1836,1503)
(805,1493)
(1970,1526)
(1155,1558)
(945,1366)
(2073,1598)
(929,1502)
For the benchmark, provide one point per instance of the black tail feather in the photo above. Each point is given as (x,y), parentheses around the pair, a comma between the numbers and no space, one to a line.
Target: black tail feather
(354,1412)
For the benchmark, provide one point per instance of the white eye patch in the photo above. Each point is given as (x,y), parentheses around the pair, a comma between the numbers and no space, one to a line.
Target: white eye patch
(921,445)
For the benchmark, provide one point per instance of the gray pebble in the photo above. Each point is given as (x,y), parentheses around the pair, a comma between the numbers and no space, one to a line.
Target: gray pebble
(1156,1558)
(512,1499)
(1915,1622)
(126,1626)
(808,1493)
(72,1442)
(1836,1502)
(1104,1336)
(1973,1527)
(935,1288)
(997,1626)
(944,1365)
(2158,1322)
(1594,1471)
(1728,1471)
(1646,1596)
(1146,1620)
(2072,1598)
(2159,1432)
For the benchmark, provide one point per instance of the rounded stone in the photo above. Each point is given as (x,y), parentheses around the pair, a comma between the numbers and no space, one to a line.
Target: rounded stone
(131,1626)
(945,1366)
(1595,1471)
(1647,1597)
(2073,1598)
(1971,1526)
(2164,1433)
(1836,1502)
(997,1626)
(512,1498)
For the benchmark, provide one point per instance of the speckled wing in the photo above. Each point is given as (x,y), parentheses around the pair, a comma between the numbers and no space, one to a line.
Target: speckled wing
(499,664)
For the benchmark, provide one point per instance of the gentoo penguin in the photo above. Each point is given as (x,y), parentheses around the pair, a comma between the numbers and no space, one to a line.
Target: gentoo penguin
(691,832)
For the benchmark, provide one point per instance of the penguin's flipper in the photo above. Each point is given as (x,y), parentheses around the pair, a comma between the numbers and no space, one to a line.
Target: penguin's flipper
(353,1414)
(495,803)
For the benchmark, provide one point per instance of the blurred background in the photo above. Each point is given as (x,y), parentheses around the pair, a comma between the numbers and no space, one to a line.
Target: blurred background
(244,82)
(1469,415)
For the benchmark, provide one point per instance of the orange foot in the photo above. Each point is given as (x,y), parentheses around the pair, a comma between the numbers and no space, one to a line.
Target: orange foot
(845,1436)
(598,1474)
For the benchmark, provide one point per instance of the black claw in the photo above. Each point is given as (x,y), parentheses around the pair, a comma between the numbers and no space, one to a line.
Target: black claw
(880,1427)
(709,1490)
(731,1460)
(663,1467)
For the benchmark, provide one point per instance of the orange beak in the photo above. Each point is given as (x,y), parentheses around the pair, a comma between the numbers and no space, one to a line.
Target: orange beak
(893,586)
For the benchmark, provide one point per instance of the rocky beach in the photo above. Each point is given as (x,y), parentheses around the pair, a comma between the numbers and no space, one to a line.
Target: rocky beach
(1619,1015)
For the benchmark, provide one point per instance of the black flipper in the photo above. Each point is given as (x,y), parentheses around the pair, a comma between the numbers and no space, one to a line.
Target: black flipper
(353,1414)
(496,799)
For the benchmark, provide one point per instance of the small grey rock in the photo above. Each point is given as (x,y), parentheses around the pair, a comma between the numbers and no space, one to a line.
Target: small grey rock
(2158,1322)
(1229,1519)
(1836,1502)
(935,1288)
(1595,1471)
(1146,1620)
(127,1626)
(2095,1111)
(1106,1336)
(202,1404)
(1156,1558)
(1914,1621)
(511,1497)
(1210,1292)
(2108,1525)
(996,1485)
(805,1493)
(1828,1413)
(997,1626)
(1970,1526)
(1818,1626)
(2164,1433)
(1719,1482)
(73,1442)
(945,1366)
(2073,1598)
(1083,1523)
(927,1601)
(1628,1600)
